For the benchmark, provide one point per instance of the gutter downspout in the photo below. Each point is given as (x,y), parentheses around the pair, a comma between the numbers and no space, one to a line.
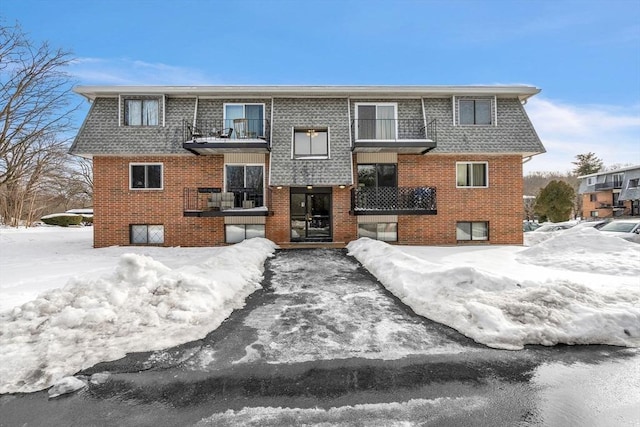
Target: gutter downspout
(195,113)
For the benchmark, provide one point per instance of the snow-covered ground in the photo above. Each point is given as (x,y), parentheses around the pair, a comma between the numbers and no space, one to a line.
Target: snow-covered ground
(65,306)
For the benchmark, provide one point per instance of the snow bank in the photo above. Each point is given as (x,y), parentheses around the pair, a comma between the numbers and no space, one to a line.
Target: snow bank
(143,306)
(501,312)
(579,248)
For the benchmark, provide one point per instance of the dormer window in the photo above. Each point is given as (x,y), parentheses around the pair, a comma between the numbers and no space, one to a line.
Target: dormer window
(474,111)
(310,142)
(141,112)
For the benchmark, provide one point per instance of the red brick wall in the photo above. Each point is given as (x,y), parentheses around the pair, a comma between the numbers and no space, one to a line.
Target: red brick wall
(116,207)
(500,204)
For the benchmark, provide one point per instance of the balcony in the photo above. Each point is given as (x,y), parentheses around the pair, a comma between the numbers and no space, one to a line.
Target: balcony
(226,136)
(212,201)
(393,201)
(402,136)
(615,185)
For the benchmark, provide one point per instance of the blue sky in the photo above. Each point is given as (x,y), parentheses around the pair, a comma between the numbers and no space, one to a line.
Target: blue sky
(584,55)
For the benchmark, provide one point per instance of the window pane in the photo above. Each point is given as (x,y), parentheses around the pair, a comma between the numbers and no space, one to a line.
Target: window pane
(462,175)
(150,112)
(319,144)
(154,176)
(155,234)
(387,175)
(466,112)
(386,125)
(134,112)
(368,230)
(138,234)
(302,144)
(388,231)
(255,115)
(479,231)
(366,122)
(232,112)
(137,176)
(254,230)
(366,175)
(483,112)
(463,231)
(235,177)
(479,174)
(235,233)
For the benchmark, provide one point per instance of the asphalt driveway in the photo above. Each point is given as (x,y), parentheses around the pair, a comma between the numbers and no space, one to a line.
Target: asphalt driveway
(321,334)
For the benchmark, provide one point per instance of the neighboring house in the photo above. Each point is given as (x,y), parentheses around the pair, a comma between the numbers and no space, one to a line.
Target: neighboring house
(611,193)
(212,165)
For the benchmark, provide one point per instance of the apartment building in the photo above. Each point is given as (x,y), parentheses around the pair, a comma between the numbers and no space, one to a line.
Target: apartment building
(213,165)
(610,194)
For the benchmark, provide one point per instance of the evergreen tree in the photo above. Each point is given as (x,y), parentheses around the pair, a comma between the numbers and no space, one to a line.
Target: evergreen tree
(587,164)
(555,201)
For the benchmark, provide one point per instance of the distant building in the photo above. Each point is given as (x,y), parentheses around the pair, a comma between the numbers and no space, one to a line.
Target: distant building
(611,194)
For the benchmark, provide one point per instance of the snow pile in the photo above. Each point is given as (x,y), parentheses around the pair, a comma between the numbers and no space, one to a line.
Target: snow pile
(501,312)
(575,248)
(143,306)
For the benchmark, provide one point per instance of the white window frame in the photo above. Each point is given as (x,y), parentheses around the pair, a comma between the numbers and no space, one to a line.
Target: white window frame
(633,181)
(312,156)
(474,163)
(264,178)
(591,180)
(244,112)
(142,101)
(378,104)
(131,165)
(491,111)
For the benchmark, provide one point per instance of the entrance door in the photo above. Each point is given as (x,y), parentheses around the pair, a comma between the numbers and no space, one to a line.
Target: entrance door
(311,215)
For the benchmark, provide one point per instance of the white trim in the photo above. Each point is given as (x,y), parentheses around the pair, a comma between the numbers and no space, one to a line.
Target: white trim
(195,113)
(378,104)
(244,113)
(473,162)
(164,110)
(453,107)
(147,164)
(495,110)
(120,110)
(350,139)
(310,157)
(270,141)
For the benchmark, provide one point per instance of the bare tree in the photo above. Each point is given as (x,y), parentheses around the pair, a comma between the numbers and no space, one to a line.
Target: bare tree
(35,120)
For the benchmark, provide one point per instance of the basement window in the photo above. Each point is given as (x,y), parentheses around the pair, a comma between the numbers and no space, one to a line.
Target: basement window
(146,234)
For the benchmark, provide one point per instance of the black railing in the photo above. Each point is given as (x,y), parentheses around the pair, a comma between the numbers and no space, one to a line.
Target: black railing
(394,199)
(608,186)
(392,129)
(226,129)
(213,199)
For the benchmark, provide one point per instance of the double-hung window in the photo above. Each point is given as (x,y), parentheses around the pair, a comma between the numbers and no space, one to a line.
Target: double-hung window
(141,112)
(145,176)
(310,143)
(475,111)
(472,174)
(246,182)
(247,120)
(376,121)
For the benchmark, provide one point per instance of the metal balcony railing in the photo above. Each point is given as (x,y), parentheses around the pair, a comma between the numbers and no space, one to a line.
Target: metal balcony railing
(389,199)
(238,129)
(608,186)
(392,129)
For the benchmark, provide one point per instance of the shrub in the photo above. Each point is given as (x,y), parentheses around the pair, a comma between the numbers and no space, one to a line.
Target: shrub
(87,219)
(62,220)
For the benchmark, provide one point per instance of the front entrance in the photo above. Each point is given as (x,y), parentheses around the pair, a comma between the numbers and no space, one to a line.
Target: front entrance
(311,214)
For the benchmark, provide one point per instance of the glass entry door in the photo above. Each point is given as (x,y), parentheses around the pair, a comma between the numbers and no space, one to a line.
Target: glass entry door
(311,215)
